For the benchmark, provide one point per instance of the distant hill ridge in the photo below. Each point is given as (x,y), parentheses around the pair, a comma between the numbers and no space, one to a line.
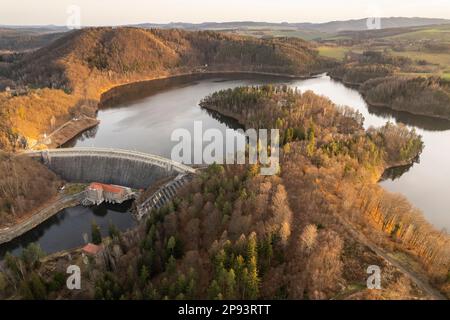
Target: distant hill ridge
(22,38)
(327,27)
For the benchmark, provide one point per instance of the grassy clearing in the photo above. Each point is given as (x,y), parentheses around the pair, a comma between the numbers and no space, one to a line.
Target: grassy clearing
(302,34)
(74,188)
(442,59)
(333,52)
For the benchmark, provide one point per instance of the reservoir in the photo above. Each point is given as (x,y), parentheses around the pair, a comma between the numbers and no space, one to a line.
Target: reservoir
(145,121)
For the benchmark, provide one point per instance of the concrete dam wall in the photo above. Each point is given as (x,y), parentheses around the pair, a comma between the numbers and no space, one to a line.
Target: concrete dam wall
(111,166)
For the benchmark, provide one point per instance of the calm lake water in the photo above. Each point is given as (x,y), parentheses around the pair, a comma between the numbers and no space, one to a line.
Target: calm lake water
(426,184)
(146,124)
(65,230)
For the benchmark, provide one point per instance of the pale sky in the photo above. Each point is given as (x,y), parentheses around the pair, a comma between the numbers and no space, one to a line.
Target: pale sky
(115,12)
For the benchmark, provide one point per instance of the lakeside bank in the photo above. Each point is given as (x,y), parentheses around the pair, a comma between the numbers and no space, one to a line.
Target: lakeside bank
(118,93)
(387,106)
(8,234)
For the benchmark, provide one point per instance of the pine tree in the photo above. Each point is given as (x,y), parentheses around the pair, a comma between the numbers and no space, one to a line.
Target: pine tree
(171,265)
(16,266)
(143,277)
(113,231)
(96,233)
(252,267)
(311,147)
(214,290)
(31,255)
(239,265)
(266,252)
(190,289)
(37,287)
(230,285)
(251,246)
(253,279)
(180,285)
(171,243)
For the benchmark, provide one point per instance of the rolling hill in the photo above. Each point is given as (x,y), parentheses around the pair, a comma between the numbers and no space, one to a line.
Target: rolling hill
(131,52)
(327,27)
(70,74)
(23,39)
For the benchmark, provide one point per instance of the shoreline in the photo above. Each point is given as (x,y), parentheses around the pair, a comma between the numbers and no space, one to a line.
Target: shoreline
(389,107)
(111,94)
(388,166)
(8,234)
(357,86)
(70,130)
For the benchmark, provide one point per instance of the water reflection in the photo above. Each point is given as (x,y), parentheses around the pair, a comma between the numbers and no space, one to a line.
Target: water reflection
(421,122)
(144,117)
(229,122)
(395,173)
(134,92)
(145,123)
(65,230)
(86,135)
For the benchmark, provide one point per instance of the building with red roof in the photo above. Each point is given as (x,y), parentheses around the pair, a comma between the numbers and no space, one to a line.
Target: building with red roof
(97,193)
(92,249)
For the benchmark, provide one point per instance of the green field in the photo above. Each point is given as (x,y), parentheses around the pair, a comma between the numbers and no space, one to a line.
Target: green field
(441,59)
(414,43)
(336,52)
(276,32)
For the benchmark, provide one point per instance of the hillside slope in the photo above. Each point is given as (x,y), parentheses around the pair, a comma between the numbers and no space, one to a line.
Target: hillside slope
(83,64)
(14,39)
(25,184)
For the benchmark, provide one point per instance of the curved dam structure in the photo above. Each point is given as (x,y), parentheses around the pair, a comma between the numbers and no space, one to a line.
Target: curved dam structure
(111,166)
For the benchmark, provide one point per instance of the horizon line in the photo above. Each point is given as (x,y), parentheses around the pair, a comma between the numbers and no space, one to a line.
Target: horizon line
(221,22)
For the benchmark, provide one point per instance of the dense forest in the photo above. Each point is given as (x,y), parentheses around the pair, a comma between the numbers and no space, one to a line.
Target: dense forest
(26,39)
(234,234)
(378,77)
(307,233)
(418,95)
(78,67)
(358,68)
(309,117)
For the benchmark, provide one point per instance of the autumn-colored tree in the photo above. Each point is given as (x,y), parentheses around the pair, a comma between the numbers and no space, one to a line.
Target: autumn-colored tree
(308,237)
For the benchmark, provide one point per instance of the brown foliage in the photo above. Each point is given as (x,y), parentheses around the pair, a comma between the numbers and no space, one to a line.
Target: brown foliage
(420,95)
(83,64)
(24,185)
